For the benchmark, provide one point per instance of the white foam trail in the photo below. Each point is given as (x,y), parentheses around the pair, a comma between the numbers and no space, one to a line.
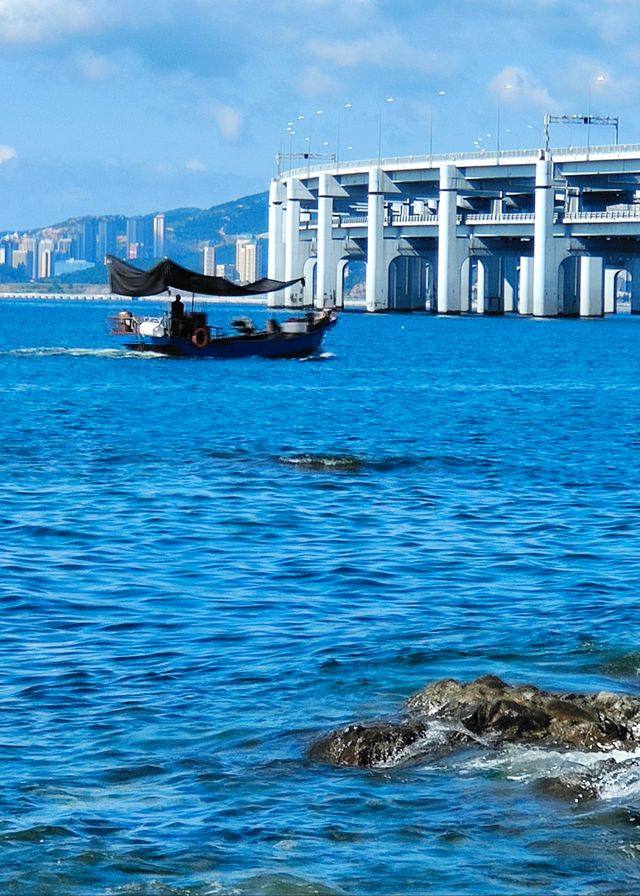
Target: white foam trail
(78,352)
(323,356)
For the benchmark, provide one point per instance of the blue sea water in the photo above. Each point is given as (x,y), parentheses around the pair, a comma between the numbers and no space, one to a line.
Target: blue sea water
(206,565)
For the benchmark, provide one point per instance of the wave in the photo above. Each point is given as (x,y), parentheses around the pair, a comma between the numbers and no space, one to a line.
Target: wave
(323,356)
(386,463)
(576,775)
(344,462)
(54,351)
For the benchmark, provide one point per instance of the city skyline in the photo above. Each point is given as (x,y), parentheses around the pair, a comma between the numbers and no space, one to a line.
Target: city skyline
(171,105)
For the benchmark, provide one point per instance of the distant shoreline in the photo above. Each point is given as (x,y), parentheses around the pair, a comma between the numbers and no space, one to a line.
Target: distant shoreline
(108,297)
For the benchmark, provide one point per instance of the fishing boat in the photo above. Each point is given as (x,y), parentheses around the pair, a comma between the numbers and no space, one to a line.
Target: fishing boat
(182,333)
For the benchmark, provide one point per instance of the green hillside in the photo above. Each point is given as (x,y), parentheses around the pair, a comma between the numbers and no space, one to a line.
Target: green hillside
(187,230)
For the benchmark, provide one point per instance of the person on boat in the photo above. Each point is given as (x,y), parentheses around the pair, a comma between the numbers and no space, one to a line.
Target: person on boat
(177,315)
(177,307)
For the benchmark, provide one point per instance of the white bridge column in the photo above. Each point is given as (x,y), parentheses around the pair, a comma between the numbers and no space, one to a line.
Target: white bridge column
(525,285)
(328,248)
(293,256)
(275,269)
(545,303)
(377,287)
(591,286)
(448,286)
(509,283)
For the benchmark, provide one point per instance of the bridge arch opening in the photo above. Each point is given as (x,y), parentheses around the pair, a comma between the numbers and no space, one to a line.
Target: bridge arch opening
(569,287)
(352,280)
(310,274)
(618,282)
(409,285)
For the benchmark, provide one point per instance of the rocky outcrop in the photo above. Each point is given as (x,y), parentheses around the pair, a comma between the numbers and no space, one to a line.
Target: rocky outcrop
(492,712)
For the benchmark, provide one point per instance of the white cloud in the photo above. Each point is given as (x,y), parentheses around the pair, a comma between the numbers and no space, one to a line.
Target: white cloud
(96,66)
(314,81)
(517,86)
(384,50)
(616,20)
(228,119)
(42,21)
(33,22)
(195,166)
(7,153)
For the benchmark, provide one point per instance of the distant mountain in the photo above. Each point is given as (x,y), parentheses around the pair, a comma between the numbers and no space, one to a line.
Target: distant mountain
(187,231)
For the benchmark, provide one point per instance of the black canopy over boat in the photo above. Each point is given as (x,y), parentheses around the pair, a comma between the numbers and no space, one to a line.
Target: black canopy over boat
(183,333)
(127,280)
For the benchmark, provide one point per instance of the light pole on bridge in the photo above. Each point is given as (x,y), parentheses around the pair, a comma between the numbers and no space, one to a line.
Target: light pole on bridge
(389,99)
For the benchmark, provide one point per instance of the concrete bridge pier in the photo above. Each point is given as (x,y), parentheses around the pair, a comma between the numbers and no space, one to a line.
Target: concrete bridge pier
(591,286)
(275,267)
(295,252)
(525,285)
(328,249)
(450,255)
(545,302)
(378,257)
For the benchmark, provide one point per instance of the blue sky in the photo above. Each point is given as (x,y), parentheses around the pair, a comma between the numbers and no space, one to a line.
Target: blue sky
(137,106)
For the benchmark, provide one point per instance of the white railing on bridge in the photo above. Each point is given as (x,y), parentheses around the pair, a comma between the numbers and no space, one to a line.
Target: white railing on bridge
(483,157)
(502,218)
(631,213)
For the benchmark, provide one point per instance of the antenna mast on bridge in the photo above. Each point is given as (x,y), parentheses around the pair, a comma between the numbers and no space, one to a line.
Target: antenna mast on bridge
(611,121)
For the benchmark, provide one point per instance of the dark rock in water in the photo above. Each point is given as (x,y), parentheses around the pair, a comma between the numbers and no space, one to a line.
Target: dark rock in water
(367,745)
(579,786)
(489,710)
(576,788)
(525,714)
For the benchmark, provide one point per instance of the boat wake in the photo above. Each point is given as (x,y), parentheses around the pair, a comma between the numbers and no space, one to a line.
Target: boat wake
(51,352)
(323,356)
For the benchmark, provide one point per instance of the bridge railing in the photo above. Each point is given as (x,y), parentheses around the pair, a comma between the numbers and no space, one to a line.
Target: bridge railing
(631,213)
(483,157)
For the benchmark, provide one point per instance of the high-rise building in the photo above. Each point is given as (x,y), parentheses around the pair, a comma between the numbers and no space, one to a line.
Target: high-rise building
(140,237)
(106,239)
(158,236)
(87,239)
(247,260)
(209,261)
(227,271)
(45,259)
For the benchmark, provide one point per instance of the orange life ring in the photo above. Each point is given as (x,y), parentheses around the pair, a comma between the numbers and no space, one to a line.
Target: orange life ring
(200,337)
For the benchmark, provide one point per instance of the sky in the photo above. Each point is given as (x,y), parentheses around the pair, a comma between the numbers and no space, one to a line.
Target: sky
(139,106)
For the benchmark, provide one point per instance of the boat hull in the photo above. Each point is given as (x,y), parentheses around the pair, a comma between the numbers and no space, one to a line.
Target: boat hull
(260,345)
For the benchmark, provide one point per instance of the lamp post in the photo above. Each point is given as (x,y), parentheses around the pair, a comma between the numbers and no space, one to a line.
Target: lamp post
(500,89)
(440,93)
(389,99)
(346,106)
(591,83)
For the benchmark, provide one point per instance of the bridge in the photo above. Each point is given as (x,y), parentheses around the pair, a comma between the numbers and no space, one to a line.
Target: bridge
(544,232)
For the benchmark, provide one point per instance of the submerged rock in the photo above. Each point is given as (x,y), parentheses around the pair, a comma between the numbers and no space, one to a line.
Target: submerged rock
(367,746)
(494,712)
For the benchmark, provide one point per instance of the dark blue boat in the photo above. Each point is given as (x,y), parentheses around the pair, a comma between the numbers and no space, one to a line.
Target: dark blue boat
(188,334)
(191,336)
